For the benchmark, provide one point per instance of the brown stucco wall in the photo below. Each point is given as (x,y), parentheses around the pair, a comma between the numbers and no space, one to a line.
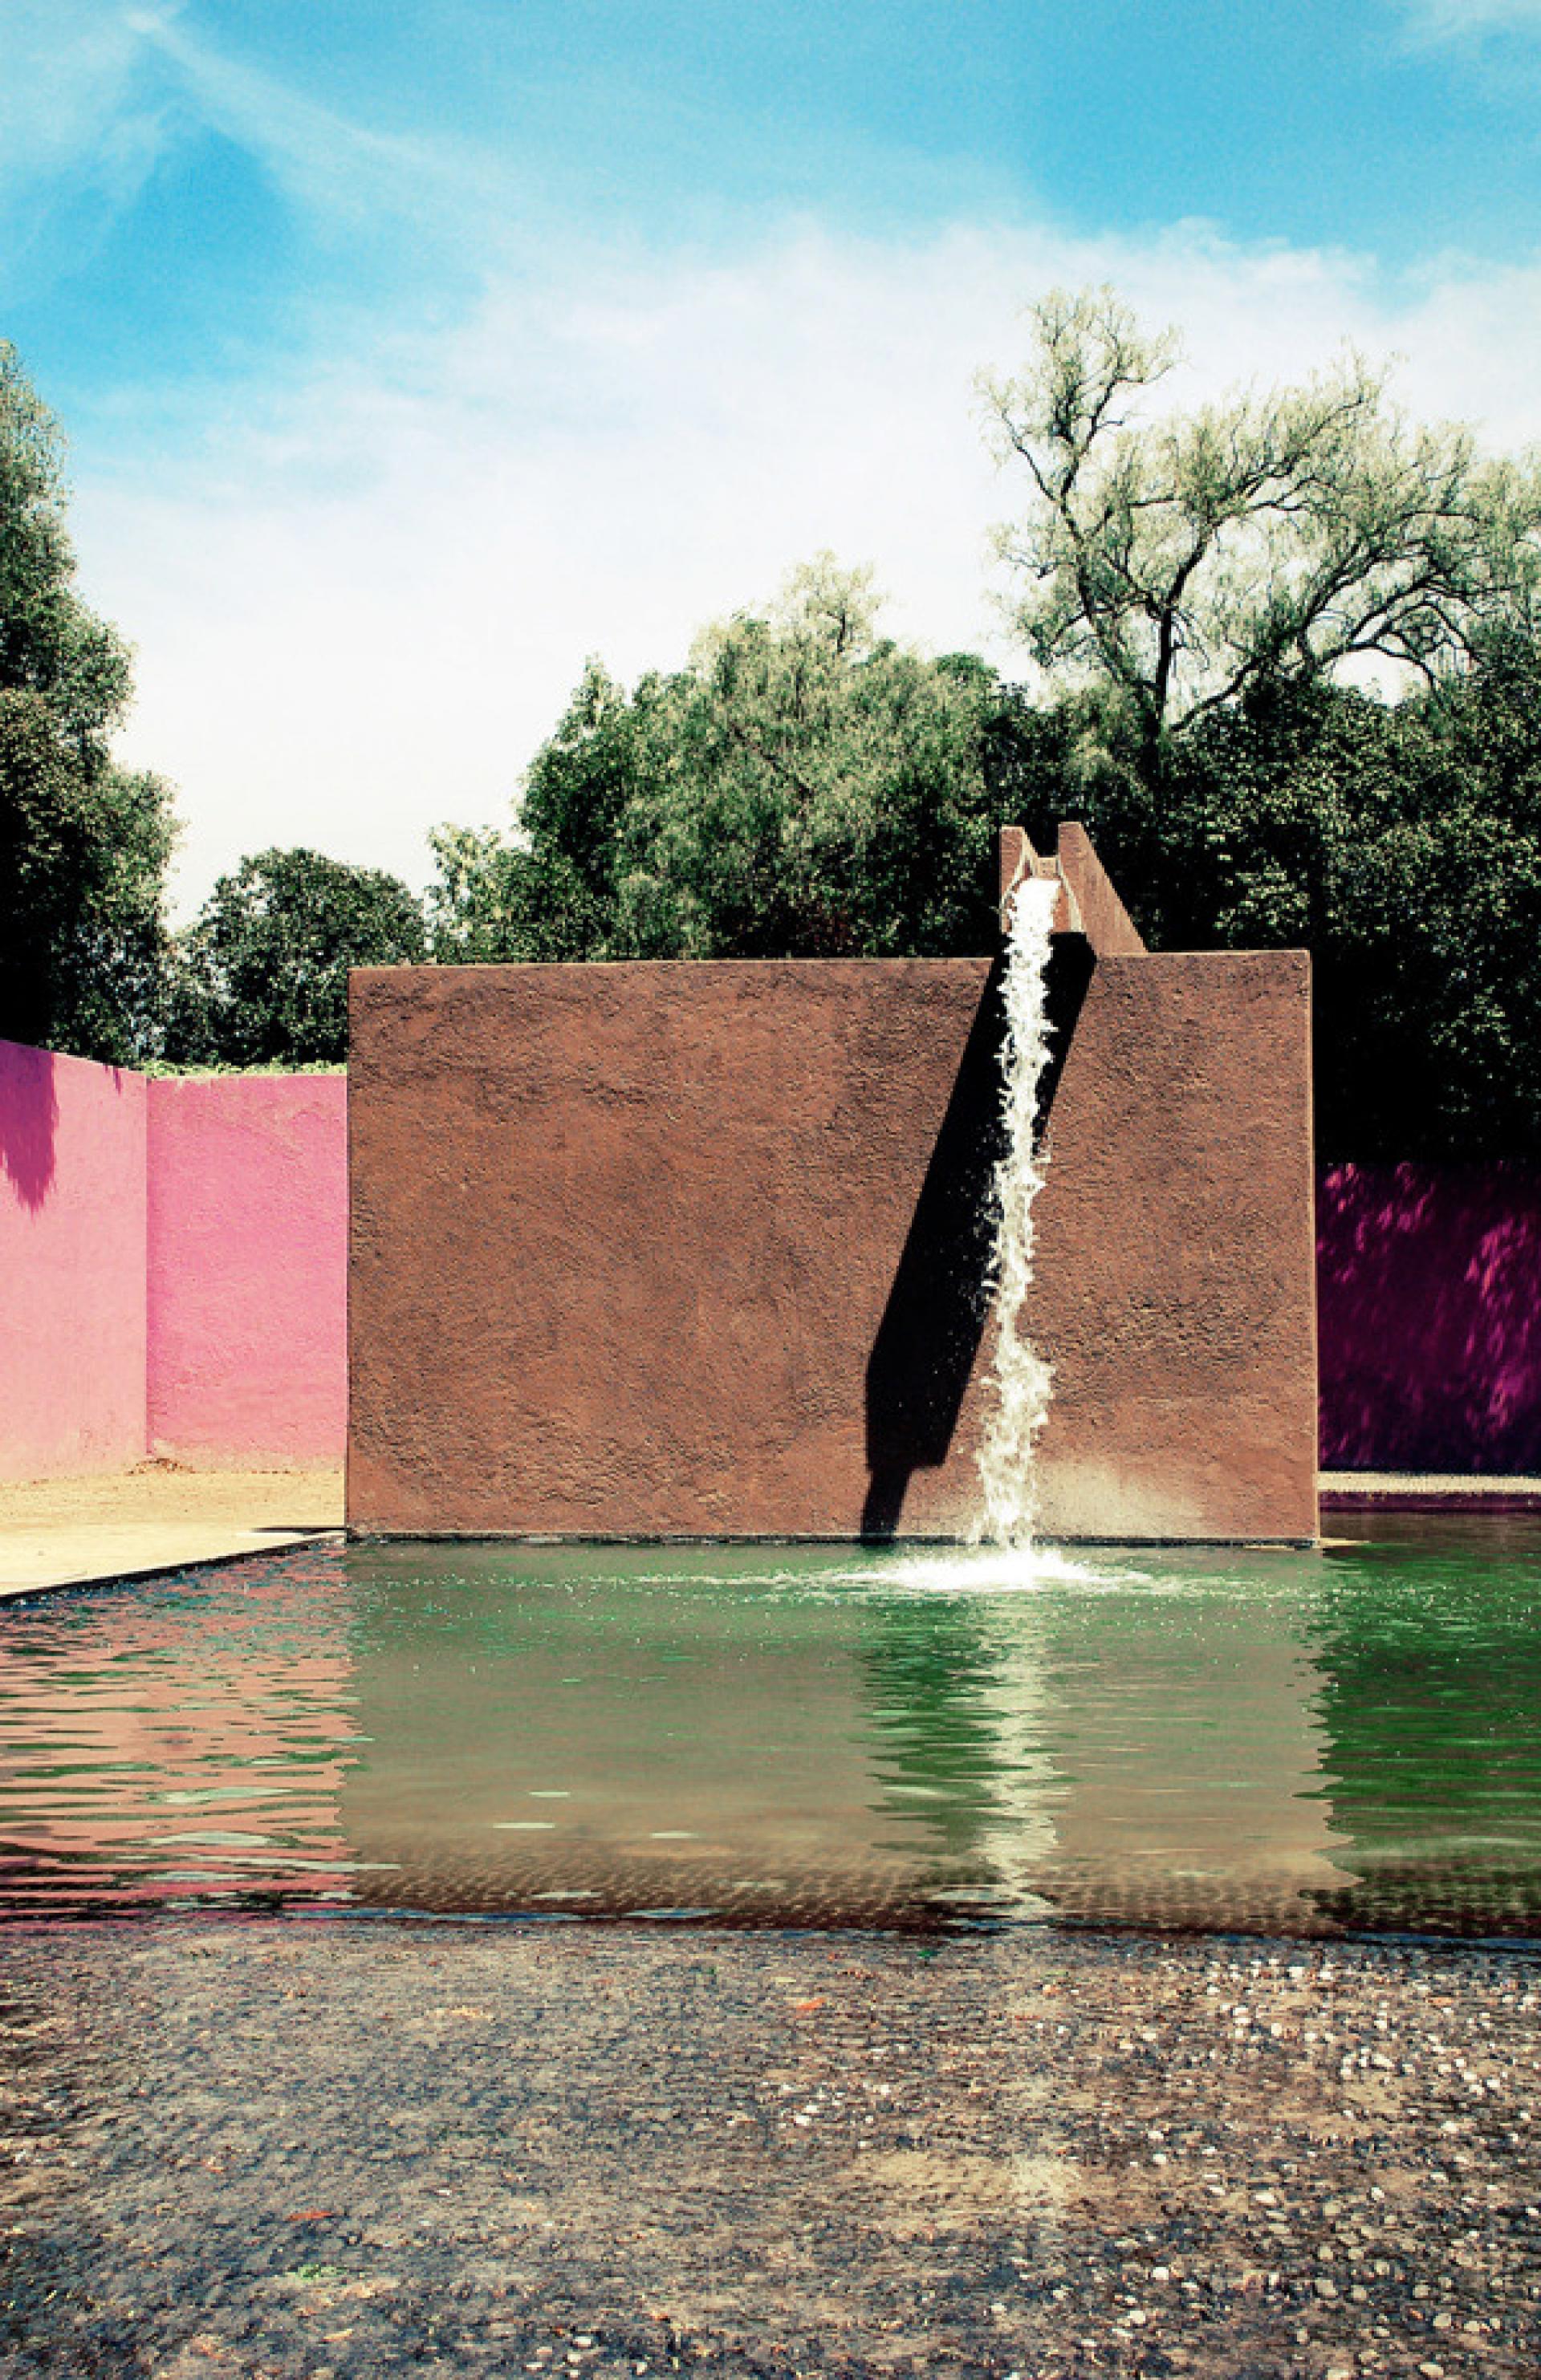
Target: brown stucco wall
(697,1249)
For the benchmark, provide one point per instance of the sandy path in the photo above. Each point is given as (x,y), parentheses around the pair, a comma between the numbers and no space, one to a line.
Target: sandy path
(156,1518)
(163,1491)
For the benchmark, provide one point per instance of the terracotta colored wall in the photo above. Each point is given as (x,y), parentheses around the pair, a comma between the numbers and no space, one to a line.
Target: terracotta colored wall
(1430,1318)
(674,1249)
(1175,1276)
(72,1285)
(248,1253)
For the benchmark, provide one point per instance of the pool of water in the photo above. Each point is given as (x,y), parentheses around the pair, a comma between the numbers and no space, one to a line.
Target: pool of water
(1304,1744)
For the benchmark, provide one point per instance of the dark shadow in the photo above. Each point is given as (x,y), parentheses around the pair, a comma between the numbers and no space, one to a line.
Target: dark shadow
(924,1354)
(29,1116)
(1072,964)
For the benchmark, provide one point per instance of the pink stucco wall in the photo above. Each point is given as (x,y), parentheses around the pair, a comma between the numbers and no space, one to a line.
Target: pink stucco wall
(173,1267)
(1429,1317)
(72,1271)
(248,1260)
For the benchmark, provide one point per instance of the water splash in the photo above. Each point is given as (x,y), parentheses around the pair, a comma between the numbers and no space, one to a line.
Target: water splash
(1021,1381)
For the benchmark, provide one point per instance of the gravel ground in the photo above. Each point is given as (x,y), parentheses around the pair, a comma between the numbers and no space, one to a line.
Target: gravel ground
(354,2148)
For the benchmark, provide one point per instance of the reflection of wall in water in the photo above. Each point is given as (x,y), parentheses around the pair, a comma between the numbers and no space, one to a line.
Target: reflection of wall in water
(931,1680)
(1202,1772)
(589,1722)
(156,1722)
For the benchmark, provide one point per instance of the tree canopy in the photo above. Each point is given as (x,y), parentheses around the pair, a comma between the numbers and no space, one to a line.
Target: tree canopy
(1399,842)
(803,786)
(84,845)
(1178,562)
(263,971)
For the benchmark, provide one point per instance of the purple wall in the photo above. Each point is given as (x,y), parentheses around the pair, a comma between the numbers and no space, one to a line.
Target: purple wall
(1429,1317)
(248,1268)
(72,1274)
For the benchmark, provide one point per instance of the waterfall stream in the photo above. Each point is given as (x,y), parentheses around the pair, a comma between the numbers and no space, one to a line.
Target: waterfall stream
(1021,1382)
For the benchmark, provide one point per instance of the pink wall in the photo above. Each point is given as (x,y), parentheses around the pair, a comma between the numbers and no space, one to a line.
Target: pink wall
(248,1266)
(72,1273)
(1429,1317)
(173,1267)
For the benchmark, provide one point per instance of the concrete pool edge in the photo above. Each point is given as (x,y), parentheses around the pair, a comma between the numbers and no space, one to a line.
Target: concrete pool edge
(70,1566)
(1354,1490)
(537,1538)
(68,1577)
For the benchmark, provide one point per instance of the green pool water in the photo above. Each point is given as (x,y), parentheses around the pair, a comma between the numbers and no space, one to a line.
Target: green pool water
(1301,1743)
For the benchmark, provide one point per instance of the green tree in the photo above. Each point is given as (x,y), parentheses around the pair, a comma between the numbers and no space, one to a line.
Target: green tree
(803,786)
(1176,563)
(1200,589)
(263,971)
(84,845)
(1402,845)
(1399,842)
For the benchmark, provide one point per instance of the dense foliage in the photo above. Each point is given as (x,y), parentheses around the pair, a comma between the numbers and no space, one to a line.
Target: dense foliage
(802,787)
(84,845)
(263,972)
(805,787)
(1399,842)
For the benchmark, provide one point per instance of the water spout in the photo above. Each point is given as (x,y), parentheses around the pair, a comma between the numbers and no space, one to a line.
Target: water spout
(1021,1381)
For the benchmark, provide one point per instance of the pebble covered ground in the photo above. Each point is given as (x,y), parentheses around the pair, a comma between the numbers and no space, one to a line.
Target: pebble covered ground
(352,2148)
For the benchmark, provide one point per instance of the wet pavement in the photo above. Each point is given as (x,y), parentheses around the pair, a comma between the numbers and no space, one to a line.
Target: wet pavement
(338,2147)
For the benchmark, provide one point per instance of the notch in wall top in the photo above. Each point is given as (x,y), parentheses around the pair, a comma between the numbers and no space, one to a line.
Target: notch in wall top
(1017,860)
(1088,903)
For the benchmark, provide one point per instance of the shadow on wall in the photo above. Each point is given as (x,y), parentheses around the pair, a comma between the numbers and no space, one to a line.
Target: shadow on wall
(1429,1302)
(928,1338)
(29,1119)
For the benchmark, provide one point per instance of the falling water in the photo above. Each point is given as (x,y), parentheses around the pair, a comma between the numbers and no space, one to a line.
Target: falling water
(1021,1382)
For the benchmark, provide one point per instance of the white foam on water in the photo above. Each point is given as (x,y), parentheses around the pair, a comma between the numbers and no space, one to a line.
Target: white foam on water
(982,1570)
(1021,1380)
(928,1570)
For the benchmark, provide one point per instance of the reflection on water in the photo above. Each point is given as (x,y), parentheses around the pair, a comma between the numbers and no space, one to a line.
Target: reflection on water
(1272,1742)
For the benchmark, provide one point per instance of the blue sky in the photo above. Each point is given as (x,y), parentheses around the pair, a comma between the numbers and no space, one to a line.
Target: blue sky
(410,352)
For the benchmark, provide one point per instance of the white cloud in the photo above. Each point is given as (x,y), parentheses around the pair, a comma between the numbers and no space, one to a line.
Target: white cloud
(344,173)
(72,99)
(1455,20)
(364,604)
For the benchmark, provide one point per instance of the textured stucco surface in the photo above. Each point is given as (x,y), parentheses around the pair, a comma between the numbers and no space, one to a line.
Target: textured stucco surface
(699,1249)
(1109,926)
(248,1258)
(72,1279)
(1175,1284)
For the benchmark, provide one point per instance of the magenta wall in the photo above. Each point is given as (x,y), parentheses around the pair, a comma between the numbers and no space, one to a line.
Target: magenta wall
(1429,1317)
(72,1269)
(247,1265)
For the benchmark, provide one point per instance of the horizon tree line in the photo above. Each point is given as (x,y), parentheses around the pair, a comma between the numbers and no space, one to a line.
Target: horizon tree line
(1282,657)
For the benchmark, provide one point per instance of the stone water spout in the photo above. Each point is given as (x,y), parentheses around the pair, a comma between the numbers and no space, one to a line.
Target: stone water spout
(1088,905)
